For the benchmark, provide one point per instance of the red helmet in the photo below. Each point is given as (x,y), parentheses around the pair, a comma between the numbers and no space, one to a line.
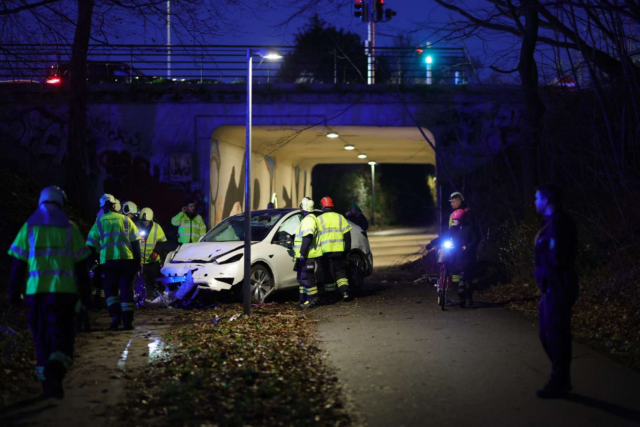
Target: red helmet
(458,214)
(326,202)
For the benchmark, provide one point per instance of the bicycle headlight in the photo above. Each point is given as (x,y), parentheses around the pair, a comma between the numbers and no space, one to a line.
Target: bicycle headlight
(448,244)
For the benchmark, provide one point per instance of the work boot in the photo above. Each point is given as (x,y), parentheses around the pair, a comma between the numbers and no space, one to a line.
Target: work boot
(345,296)
(308,304)
(554,390)
(116,316)
(127,321)
(53,375)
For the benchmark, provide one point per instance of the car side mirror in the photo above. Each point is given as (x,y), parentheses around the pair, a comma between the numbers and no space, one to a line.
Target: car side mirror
(283,238)
(288,240)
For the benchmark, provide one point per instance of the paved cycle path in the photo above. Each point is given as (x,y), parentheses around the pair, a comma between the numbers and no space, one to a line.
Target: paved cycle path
(404,362)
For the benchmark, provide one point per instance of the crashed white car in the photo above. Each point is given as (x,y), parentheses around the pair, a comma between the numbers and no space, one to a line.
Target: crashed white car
(216,261)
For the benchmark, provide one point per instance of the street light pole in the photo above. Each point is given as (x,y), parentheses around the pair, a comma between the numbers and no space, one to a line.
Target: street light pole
(168,39)
(246,285)
(373,192)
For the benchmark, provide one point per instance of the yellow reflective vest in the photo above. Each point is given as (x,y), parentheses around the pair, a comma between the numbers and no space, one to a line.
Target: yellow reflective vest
(308,226)
(148,243)
(333,226)
(189,230)
(112,235)
(51,251)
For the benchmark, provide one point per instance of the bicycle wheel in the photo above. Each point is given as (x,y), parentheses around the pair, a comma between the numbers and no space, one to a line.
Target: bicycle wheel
(442,296)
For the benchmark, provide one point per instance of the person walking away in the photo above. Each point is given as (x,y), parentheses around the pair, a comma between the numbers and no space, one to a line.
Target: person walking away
(151,233)
(556,247)
(191,226)
(130,210)
(114,238)
(307,254)
(97,287)
(50,252)
(355,215)
(335,241)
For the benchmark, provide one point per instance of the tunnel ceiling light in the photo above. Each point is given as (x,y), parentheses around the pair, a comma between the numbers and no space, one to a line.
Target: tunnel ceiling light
(362,156)
(349,147)
(372,163)
(332,135)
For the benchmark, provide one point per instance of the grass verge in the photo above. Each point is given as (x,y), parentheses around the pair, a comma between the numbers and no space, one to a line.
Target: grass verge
(230,370)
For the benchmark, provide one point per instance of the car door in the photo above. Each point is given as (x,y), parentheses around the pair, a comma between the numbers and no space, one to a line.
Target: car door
(281,255)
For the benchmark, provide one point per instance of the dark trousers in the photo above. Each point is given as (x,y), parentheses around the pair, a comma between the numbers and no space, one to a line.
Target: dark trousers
(305,274)
(52,323)
(334,272)
(150,272)
(117,276)
(555,334)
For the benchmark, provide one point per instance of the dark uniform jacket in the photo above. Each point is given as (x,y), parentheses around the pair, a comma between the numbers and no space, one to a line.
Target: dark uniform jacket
(462,236)
(556,247)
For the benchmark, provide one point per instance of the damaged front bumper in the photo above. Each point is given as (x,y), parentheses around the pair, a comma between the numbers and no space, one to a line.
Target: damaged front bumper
(210,276)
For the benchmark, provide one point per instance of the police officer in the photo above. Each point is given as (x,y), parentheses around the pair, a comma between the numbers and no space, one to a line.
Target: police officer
(49,250)
(190,225)
(335,241)
(307,254)
(115,237)
(151,234)
(555,252)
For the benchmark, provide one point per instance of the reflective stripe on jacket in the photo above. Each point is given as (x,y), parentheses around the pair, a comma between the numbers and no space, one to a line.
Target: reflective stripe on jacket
(333,226)
(112,235)
(148,244)
(308,226)
(51,253)
(189,230)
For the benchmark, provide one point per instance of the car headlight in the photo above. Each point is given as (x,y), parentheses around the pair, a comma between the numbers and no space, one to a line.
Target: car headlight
(234,258)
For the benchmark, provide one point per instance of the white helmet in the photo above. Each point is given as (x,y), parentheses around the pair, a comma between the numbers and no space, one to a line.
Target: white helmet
(456,194)
(146,214)
(107,198)
(53,194)
(306,204)
(117,206)
(130,208)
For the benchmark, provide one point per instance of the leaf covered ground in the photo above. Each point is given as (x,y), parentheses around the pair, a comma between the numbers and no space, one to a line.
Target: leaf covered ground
(221,368)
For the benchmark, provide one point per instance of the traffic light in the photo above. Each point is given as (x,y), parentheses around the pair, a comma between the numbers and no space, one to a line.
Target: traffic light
(379,10)
(358,9)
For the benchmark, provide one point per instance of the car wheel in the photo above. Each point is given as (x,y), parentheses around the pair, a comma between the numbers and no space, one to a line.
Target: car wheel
(261,283)
(355,270)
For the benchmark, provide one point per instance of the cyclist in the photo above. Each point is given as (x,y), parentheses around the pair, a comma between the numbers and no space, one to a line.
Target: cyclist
(460,257)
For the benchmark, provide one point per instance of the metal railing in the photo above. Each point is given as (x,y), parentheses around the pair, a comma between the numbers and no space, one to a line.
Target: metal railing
(227,64)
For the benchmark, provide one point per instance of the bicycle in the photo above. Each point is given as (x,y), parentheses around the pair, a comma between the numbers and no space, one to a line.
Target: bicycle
(443,281)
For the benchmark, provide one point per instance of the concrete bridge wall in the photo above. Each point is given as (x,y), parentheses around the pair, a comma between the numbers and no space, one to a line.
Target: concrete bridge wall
(160,146)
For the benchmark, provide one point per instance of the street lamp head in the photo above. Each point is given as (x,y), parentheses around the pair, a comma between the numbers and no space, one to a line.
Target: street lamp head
(349,147)
(362,156)
(332,135)
(268,54)
(372,163)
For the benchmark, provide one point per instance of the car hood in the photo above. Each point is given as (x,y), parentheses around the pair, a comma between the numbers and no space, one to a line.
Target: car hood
(205,251)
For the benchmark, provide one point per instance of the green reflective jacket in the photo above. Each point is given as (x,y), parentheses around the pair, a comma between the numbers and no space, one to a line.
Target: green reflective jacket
(148,243)
(333,226)
(112,235)
(308,226)
(51,254)
(189,230)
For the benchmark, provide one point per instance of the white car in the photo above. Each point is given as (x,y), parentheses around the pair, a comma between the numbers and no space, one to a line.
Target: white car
(216,261)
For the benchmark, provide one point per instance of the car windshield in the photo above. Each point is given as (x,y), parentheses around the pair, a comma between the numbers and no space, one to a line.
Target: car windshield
(232,229)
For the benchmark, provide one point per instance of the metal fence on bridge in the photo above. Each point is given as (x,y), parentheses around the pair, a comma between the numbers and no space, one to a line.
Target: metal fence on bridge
(42,64)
